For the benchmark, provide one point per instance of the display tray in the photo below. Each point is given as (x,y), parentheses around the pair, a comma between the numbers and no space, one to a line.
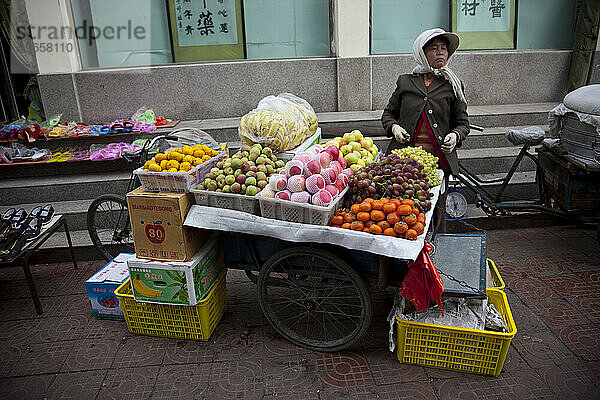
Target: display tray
(203,217)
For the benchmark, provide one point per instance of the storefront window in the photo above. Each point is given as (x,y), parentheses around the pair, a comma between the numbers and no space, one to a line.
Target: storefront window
(546,24)
(396,23)
(151,32)
(481,24)
(115,33)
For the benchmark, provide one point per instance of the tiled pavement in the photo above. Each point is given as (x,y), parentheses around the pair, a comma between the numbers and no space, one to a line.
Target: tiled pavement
(553,286)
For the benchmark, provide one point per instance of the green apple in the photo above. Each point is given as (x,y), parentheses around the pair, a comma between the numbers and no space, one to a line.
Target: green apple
(332,143)
(340,141)
(355,168)
(366,143)
(349,137)
(374,151)
(368,159)
(351,158)
(363,152)
(236,163)
(346,149)
(361,162)
(251,190)
(357,134)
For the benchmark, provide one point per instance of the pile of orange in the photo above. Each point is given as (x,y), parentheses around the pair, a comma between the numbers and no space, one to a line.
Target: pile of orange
(390,217)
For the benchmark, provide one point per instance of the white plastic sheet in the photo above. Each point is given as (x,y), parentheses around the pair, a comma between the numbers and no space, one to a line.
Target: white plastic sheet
(221,219)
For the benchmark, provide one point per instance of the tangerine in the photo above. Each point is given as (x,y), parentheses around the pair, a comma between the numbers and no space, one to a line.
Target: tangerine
(368,200)
(396,202)
(411,234)
(421,218)
(364,206)
(410,219)
(384,225)
(409,202)
(400,227)
(403,209)
(337,220)
(363,216)
(349,217)
(346,225)
(369,223)
(385,200)
(377,205)
(377,215)
(357,226)
(415,211)
(355,208)
(389,207)
(393,217)
(419,227)
(375,229)
(389,232)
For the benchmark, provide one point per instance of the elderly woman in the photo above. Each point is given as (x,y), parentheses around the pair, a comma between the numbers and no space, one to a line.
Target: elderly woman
(428,107)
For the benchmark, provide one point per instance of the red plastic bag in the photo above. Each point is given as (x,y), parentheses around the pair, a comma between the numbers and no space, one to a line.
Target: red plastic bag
(423,282)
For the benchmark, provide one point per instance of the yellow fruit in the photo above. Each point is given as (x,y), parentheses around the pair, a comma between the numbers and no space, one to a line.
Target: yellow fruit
(213,152)
(196,146)
(188,159)
(197,161)
(185,166)
(147,163)
(163,164)
(173,164)
(154,167)
(173,170)
(187,150)
(173,155)
(159,157)
(198,153)
(205,158)
(177,150)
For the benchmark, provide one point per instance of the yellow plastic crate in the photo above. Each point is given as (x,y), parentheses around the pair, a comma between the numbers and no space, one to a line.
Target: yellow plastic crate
(496,278)
(186,322)
(466,350)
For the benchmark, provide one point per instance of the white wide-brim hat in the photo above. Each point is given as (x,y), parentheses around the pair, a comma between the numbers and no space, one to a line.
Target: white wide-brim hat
(453,40)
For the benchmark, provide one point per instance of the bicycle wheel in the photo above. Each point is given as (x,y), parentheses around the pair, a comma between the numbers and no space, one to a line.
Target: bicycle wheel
(109,227)
(314,299)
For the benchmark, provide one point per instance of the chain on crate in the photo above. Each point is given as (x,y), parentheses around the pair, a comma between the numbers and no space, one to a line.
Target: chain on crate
(452,278)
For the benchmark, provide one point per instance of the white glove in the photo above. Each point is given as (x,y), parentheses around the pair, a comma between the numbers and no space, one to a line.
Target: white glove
(400,133)
(450,142)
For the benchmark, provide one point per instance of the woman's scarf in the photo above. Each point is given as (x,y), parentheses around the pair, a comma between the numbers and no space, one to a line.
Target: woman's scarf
(423,66)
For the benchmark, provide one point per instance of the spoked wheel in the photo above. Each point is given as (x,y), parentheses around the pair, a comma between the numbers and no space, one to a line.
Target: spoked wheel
(314,299)
(109,227)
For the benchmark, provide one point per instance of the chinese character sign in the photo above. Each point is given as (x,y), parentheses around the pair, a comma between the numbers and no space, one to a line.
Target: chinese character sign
(483,15)
(206,22)
(484,24)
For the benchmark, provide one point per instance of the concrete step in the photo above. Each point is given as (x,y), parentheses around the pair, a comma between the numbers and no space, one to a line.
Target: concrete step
(52,189)
(493,160)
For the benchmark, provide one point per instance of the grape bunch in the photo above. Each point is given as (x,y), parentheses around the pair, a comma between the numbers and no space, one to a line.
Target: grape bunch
(428,160)
(392,177)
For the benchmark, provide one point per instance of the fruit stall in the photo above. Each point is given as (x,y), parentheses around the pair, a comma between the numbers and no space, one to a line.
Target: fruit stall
(314,223)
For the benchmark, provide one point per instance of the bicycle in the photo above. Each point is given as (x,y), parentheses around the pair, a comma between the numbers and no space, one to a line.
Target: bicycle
(108,217)
(494,205)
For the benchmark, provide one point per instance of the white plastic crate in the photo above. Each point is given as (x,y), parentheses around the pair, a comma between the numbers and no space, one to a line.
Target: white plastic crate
(286,210)
(231,201)
(178,182)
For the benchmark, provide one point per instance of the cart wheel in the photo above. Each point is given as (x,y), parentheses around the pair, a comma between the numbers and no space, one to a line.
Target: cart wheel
(314,299)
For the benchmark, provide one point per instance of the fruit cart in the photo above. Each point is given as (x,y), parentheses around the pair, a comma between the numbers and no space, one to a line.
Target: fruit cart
(311,279)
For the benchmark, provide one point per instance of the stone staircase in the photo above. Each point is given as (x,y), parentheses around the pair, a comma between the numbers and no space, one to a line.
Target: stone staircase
(71,186)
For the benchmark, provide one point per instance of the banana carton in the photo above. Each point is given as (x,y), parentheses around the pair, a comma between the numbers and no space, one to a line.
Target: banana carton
(157,225)
(177,282)
(101,287)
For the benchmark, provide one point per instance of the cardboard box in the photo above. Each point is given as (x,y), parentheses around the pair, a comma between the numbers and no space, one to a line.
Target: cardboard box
(307,144)
(179,283)
(101,287)
(157,225)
